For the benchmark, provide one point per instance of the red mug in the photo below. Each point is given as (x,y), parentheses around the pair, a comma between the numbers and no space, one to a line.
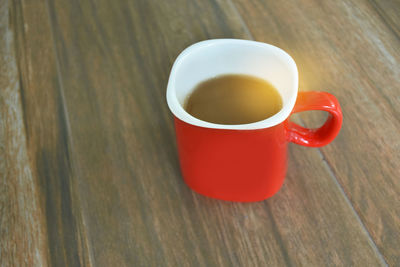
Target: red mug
(244,162)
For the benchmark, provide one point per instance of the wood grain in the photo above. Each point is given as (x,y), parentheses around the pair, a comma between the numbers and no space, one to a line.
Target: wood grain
(99,144)
(22,234)
(349,50)
(46,131)
(389,13)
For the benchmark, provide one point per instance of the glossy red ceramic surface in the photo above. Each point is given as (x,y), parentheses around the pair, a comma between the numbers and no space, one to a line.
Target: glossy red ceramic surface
(249,165)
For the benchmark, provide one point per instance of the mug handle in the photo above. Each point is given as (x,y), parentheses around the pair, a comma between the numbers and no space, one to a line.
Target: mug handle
(312,100)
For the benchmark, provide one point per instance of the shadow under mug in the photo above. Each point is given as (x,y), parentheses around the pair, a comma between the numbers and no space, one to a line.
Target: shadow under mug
(244,162)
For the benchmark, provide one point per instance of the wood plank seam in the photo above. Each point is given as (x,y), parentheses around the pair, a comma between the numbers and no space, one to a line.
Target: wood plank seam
(329,169)
(347,200)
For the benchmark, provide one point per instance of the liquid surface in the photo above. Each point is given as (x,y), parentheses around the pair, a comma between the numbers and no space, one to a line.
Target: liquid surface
(234,99)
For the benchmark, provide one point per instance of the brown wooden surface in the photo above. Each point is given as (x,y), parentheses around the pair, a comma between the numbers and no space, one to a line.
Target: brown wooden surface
(355,54)
(88,163)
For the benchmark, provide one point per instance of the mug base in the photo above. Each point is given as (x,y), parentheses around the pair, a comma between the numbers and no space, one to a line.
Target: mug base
(238,198)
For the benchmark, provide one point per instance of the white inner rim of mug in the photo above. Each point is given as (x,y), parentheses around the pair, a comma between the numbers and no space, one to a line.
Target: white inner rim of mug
(211,58)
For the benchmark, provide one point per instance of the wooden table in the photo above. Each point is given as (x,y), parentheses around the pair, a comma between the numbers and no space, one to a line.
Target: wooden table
(89,173)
